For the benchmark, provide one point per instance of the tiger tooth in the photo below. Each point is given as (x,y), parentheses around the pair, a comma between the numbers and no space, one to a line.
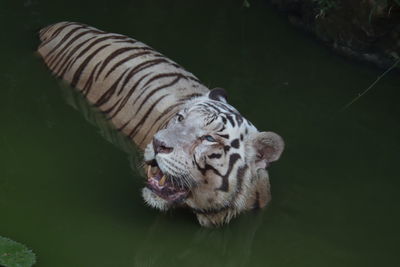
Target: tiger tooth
(149,172)
(154,170)
(162,181)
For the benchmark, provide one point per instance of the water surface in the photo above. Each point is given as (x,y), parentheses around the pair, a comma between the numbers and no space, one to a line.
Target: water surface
(73,197)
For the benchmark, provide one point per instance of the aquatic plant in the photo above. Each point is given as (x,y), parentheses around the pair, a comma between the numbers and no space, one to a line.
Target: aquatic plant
(14,254)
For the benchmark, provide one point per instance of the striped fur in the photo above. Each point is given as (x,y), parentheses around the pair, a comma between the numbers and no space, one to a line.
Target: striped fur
(131,83)
(200,151)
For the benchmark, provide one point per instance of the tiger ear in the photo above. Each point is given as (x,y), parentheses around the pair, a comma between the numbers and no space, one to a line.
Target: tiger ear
(268,147)
(218,94)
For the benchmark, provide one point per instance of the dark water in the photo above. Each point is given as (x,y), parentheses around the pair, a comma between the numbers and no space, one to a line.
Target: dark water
(72,196)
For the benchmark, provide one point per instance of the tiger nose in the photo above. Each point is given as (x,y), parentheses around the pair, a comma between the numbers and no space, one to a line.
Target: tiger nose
(161,147)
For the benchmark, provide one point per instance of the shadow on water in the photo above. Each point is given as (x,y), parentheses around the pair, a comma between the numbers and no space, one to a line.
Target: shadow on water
(94,116)
(228,246)
(226,243)
(75,200)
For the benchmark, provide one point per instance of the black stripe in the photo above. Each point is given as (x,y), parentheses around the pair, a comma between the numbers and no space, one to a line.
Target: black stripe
(126,98)
(122,61)
(89,81)
(239,119)
(129,41)
(124,125)
(67,48)
(140,67)
(214,156)
(225,181)
(159,118)
(210,120)
(65,65)
(106,111)
(164,75)
(176,65)
(56,32)
(82,66)
(188,97)
(235,143)
(230,119)
(155,91)
(213,107)
(113,55)
(134,131)
(43,31)
(229,111)
(92,44)
(64,39)
(206,168)
(241,171)
(167,119)
(226,136)
(222,129)
(109,92)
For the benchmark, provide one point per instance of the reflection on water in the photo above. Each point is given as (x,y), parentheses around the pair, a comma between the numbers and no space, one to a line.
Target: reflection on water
(228,246)
(93,115)
(72,197)
(226,243)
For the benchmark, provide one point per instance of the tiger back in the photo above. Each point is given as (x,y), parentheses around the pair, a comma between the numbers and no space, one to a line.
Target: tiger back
(199,151)
(131,83)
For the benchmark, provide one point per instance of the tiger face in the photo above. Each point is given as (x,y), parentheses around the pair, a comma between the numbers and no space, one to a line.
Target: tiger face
(210,159)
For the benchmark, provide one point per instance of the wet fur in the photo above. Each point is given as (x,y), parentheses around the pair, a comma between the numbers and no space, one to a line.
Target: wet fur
(140,92)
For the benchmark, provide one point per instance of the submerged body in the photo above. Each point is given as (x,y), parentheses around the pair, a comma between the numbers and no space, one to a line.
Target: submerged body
(201,153)
(131,83)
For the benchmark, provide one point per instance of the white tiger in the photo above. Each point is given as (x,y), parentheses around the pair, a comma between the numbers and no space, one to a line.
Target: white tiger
(200,152)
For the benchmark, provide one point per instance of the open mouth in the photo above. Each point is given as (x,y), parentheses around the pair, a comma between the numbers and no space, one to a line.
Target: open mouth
(163,185)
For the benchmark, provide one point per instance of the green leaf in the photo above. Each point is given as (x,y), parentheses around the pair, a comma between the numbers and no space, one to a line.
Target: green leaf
(14,254)
(246,3)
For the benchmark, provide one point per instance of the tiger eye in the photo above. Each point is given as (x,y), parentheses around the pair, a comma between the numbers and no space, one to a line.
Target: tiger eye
(209,138)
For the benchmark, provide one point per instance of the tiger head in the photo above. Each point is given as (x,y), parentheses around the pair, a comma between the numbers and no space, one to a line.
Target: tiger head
(211,159)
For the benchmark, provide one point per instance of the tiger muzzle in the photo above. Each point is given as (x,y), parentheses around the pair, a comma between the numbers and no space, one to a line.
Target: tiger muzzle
(161,147)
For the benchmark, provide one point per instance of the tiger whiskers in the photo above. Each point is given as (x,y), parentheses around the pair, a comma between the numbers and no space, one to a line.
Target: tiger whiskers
(182,180)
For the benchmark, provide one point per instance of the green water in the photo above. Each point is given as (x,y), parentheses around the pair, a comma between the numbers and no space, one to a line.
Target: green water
(73,198)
